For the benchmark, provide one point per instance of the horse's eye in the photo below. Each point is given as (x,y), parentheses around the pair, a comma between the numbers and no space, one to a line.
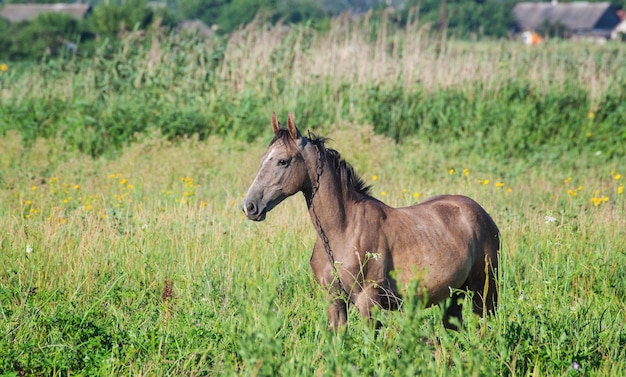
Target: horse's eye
(283,162)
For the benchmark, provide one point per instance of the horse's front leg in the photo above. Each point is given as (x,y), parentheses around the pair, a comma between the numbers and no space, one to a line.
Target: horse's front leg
(337,312)
(326,276)
(367,299)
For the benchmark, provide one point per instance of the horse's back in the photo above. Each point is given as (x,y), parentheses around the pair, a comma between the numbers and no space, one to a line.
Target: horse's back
(457,208)
(465,217)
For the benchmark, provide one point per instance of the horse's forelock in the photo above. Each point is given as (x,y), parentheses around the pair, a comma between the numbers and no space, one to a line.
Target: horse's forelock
(284,136)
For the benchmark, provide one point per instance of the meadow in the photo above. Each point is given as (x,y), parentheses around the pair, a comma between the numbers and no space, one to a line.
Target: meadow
(124,250)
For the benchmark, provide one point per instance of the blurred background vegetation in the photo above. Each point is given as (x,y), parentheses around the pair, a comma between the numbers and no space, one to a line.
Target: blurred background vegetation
(464,19)
(496,98)
(401,72)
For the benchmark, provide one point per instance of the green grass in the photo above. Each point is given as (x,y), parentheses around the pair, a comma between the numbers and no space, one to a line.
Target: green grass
(167,277)
(124,251)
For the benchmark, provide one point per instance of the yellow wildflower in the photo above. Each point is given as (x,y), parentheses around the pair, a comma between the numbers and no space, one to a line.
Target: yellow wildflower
(572,193)
(499,184)
(599,200)
(466,172)
(33,188)
(451,171)
(620,190)
(383,193)
(568,180)
(617,176)
(189,182)
(416,194)
(374,177)
(3,67)
(591,115)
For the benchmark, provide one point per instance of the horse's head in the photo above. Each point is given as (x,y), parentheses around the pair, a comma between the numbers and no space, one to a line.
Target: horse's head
(283,171)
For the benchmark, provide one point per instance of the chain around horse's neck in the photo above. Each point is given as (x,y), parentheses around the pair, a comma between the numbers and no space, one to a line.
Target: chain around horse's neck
(319,169)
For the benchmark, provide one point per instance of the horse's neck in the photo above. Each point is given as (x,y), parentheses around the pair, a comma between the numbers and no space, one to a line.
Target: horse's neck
(328,206)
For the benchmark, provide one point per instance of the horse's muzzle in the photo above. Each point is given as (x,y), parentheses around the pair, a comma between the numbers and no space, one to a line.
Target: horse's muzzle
(251,210)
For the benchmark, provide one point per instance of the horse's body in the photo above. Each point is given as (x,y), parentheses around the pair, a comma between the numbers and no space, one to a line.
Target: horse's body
(367,251)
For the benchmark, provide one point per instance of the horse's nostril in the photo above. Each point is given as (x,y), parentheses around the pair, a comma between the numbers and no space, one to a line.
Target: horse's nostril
(251,208)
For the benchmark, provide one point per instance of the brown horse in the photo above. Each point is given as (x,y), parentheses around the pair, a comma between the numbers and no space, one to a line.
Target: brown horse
(365,250)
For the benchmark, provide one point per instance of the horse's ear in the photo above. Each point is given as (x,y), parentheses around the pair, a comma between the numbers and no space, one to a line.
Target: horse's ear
(291,126)
(275,124)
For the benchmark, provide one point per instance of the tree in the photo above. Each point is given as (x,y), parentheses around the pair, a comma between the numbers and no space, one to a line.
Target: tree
(206,10)
(48,34)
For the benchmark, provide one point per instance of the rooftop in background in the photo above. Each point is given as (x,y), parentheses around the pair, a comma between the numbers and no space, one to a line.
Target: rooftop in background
(578,17)
(25,12)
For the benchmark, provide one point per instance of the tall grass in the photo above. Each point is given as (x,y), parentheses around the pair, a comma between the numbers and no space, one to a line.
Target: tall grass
(404,82)
(145,265)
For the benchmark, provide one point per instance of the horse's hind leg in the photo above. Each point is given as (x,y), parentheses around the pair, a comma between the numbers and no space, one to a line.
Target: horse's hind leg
(483,284)
(486,298)
(455,310)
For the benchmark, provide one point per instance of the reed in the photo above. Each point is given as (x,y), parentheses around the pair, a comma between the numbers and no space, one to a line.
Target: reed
(354,50)
(365,70)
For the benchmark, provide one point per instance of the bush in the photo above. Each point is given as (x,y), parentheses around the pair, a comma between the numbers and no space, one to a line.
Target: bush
(511,122)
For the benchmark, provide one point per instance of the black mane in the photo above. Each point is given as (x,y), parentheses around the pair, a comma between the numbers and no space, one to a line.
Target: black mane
(349,179)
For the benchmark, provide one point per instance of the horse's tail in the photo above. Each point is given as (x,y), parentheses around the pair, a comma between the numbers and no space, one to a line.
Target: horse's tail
(487,301)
